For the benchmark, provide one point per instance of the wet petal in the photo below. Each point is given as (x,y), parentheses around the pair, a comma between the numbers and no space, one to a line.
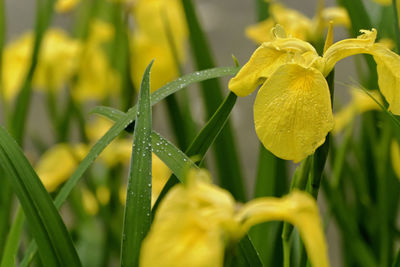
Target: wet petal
(388,67)
(265,60)
(348,47)
(297,208)
(188,229)
(292,112)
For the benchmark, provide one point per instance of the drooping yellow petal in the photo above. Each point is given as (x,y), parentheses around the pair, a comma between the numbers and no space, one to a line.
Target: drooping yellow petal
(57,164)
(298,208)
(348,47)
(265,60)
(292,112)
(395,156)
(388,67)
(188,226)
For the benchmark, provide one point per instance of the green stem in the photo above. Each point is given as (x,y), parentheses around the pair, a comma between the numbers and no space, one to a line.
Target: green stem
(228,164)
(286,253)
(396,25)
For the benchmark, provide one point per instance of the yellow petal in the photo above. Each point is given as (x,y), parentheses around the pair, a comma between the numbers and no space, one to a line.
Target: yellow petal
(144,50)
(395,156)
(103,194)
(89,201)
(265,60)
(188,226)
(63,6)
(348,47)
(388,67)
(56,165)
(338,15)
(297,208)
(292,112)
(261,32)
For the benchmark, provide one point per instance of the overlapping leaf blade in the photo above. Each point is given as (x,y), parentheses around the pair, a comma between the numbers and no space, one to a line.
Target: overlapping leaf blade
(47,228)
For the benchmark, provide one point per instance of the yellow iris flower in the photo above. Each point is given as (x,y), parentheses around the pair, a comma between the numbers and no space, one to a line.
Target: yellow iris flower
(197,220)
(296,24)
(292,110)
(152,40)
(64,6)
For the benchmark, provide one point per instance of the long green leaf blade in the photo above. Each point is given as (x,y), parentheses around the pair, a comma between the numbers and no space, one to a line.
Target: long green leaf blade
(54,243)
(137,217)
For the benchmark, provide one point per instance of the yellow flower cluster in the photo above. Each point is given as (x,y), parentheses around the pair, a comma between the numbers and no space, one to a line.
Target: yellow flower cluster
(197,220)
(60,60)
(292,111)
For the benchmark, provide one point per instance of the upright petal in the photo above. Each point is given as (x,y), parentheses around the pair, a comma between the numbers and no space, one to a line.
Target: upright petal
(348,47)
(299,209)
(264,61)
(292,112)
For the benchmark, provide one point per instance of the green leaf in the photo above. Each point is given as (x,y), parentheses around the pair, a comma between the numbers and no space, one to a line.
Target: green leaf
(228,164)
(177,161)
(213,128)
(44,11)
(137,217)
(11,248)
(126,120)
(47,228)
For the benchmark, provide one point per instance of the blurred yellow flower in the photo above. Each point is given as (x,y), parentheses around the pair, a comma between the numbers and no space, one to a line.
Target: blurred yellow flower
(296,24)
(292,110)
(360,102)
(89,201)
(197,220)
(57,164)
(63,6)
(96,78)
(160,34)
(56,65)
(384,2)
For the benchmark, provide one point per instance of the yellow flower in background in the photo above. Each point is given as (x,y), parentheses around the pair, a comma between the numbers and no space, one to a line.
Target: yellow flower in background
(64,6)
(292,110)
(96,78)
(161,31)
(360,102)
(384,2)
(160,174)
(89,201)
(395,156)
(57,62)
(296,24)
(197,220)
(57,164)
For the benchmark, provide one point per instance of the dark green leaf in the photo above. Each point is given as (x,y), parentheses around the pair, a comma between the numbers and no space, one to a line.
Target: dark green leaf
(47,228)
